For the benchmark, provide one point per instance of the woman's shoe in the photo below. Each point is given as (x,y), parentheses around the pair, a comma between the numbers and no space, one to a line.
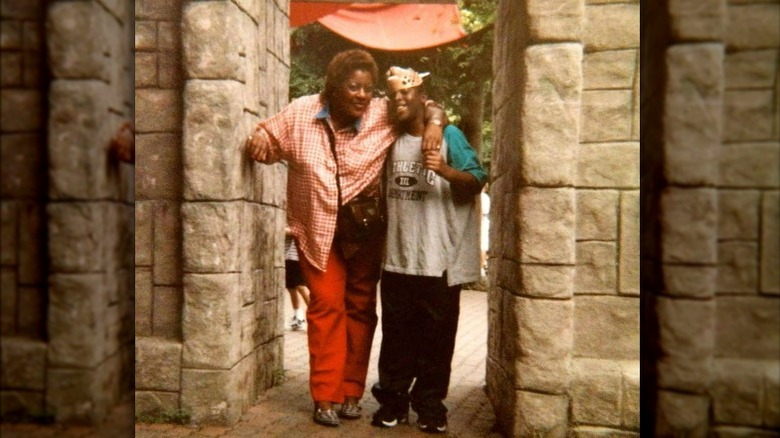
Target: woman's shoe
(350,411)
(325,417)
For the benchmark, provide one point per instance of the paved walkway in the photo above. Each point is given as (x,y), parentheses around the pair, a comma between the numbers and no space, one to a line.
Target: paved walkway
(285,410)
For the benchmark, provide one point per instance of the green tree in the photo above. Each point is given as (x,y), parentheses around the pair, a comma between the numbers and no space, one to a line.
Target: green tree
(461,76)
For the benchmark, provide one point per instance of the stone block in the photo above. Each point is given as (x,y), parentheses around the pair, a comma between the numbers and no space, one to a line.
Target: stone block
(611,27)
(76,320)
(606,116)
(629,252)
(737,267)
(145,36)
(166,318)
(550,116)
(158,9)
(167,243)
(747,317)
(158,364)
(20,403)
(770,243)
(78,137)
(689,223)
(596,432)
(736,390)
(738,214)
(153,403)
(682,414)
(143,301)
(547,225)
(22,110)
(741,432)
(596,270)
(693,113)
(748,115)
(77,37)
(611,69)
(157,110)
(270,355)
(32,243)
(753,26)
(211,321)
(252,8)
(629,412)
(8,230)
(750,165)
(158,170)
(10,33)
(168,37)
(144,237)
(608,165)
(546,281)
(690,281)
(71,395)
(595,392)
(8,298)
(22,166)
(214,158)
(597,318)
(169,68)
(31,312)
(540,415)
(693,20)
(687,338)
(145,69)
(211,236)
(771,405)
(24,364)
(12,69)
(248,331)
(597,213)
(542,361)
(212,397)
(76,236)
(211,48)
(751,69)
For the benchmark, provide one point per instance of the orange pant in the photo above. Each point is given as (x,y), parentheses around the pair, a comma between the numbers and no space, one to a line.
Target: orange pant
(341,320)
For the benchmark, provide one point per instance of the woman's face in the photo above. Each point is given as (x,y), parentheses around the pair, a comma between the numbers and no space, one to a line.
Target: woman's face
(352,98)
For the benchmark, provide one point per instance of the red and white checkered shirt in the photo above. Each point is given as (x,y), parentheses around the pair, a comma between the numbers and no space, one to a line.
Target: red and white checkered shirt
(299,137)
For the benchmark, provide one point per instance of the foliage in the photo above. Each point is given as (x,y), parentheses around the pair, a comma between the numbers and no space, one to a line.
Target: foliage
(166,417)
(460,71)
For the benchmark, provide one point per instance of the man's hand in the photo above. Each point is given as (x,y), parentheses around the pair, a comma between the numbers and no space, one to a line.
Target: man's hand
(257,145)
(433,160)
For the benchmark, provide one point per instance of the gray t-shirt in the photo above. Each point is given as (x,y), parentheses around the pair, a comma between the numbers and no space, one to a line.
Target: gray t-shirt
(427,233)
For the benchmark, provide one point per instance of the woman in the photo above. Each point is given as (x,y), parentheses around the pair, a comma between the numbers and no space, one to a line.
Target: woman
(342,274)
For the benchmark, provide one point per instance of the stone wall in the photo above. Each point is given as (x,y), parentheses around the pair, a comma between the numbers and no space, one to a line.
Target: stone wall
(715,282)
(565,219)
(67,280)
(209,251)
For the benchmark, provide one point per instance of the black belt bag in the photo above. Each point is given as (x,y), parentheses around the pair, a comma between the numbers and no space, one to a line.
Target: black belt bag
(361,219)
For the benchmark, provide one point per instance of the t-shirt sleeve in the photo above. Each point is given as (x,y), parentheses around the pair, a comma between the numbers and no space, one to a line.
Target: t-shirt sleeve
(461,156)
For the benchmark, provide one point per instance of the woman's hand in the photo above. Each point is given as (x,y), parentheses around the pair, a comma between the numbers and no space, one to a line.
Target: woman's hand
(257,145)
(122,145)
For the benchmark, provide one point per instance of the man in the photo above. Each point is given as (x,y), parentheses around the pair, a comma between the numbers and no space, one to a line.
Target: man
(335,143)
(432,249)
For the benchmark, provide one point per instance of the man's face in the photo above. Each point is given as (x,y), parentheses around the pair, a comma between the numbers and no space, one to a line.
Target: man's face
(354,95)
(408,104)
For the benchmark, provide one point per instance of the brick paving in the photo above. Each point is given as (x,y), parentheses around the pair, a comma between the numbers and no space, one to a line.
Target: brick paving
(285,410)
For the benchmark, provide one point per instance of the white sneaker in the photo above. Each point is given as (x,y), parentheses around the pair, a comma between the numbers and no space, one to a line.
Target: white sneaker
(297,324)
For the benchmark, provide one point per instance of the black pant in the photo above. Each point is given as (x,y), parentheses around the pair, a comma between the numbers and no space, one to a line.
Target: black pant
(419,323)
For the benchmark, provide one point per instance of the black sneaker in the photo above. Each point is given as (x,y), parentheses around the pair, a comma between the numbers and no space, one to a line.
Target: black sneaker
(432,423)
(390,415)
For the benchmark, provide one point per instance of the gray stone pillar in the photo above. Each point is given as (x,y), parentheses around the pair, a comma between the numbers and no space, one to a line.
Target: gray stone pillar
(22,210)
(565,215)
(89,215)
(209,312)
(717,308)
